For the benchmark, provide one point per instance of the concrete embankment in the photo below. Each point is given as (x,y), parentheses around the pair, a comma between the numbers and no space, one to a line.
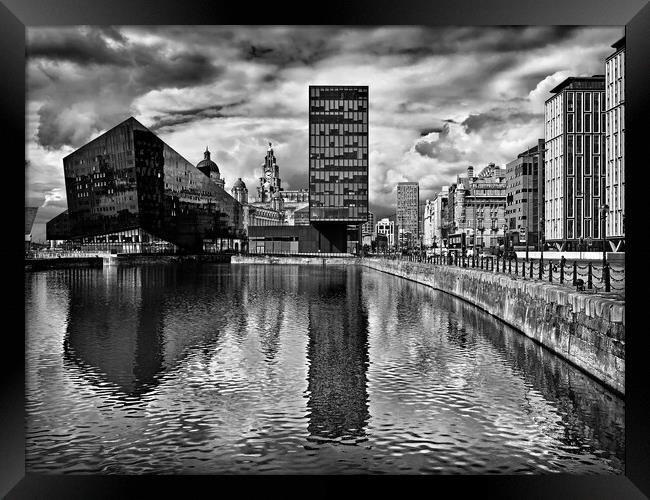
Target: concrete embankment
(587,330)
(62,263)
(312,260)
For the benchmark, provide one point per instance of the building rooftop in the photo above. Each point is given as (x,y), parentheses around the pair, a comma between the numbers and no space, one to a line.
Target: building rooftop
(619,44)
(580,82)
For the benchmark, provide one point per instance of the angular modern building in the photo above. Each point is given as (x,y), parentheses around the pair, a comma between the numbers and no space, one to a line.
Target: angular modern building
(338,163)
(128,191)
(615,146)
(408,215)
(574,163)
(523,196)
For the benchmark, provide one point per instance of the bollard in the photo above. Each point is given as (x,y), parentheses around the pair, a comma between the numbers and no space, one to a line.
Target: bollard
(550,272)
(589,276)
(606,271)
(541,269)
(562,260)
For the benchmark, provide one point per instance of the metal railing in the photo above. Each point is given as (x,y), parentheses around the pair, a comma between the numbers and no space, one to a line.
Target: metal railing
(584,276)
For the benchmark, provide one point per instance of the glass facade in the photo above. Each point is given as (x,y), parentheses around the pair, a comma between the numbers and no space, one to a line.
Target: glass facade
(338,154)
(129,179)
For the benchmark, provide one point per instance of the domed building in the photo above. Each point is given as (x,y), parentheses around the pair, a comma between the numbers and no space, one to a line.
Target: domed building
(240,192)
(210,168)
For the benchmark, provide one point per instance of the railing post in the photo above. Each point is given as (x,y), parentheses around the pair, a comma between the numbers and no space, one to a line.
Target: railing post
(482,259)
(497,263)
(516,267)
(589,276)
(530,268)
(606,271)
(541,269)
(550,272)
(510,265)
(562,261)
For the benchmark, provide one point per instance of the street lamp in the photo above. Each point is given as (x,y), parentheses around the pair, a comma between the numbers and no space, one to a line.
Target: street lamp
(603,216)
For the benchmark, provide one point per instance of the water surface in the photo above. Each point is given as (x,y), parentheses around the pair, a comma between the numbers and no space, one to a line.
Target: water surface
(218,368)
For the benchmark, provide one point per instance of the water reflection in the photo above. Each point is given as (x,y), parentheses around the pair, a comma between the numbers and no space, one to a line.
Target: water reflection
(338,355)
(256,369)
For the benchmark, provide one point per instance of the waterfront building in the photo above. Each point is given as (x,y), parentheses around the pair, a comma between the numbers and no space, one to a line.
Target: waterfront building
(210,169)
(239,191)
(615,146)
(408,215)
(476,208)
(523,196)
(387,228)
(368,228)
(128,191)
(574,163)
(435,220)
(338,162)
(269,182)
(30,216)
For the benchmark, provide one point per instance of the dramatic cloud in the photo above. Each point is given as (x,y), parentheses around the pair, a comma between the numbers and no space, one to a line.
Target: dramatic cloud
(440,98)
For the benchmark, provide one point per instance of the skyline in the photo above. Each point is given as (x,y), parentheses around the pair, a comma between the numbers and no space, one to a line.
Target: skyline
(440,98)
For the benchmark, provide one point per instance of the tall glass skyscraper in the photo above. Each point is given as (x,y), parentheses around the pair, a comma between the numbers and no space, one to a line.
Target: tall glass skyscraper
(338,154)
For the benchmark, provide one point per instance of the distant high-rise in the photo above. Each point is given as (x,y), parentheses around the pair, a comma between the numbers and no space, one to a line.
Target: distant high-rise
(408,212)
(615,145)
(574,166)
(338,162)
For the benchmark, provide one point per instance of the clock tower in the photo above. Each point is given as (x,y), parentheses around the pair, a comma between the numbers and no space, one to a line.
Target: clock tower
(270,182)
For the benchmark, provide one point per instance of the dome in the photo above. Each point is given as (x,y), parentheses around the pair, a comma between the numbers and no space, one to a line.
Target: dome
(239,184)
(206,165)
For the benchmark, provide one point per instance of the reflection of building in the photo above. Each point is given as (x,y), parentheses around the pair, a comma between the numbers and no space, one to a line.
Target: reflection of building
(522,195)
(476,206)
(30,215)
(129,191)
(615,146)
(338,358)
(574,162)
(408,216)
(338,161)
(386,227)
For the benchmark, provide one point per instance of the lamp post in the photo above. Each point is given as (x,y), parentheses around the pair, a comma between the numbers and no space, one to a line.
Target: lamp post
(526,236)
(603,216)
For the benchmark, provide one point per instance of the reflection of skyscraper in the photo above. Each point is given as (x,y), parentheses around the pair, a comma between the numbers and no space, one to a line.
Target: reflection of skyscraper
(338,354)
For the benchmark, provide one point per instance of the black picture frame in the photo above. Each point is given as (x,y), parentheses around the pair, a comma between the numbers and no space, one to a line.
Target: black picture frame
(15,15)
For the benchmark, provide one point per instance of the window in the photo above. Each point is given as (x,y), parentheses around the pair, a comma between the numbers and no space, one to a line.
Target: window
(569,105)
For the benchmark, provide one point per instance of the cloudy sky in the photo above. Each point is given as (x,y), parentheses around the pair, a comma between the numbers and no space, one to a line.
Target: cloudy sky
(440,98)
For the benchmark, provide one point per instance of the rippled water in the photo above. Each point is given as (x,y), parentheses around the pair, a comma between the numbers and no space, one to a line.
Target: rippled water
(213,368)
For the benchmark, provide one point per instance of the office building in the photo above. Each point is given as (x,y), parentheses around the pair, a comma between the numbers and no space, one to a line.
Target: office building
(435,220)
(128,191)
(476,208)
(523,196)
(408,215)
(574,163)
(338,162)
(615,146)
(388,229)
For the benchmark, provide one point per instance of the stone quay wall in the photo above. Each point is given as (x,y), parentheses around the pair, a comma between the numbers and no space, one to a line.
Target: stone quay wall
(586,329)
